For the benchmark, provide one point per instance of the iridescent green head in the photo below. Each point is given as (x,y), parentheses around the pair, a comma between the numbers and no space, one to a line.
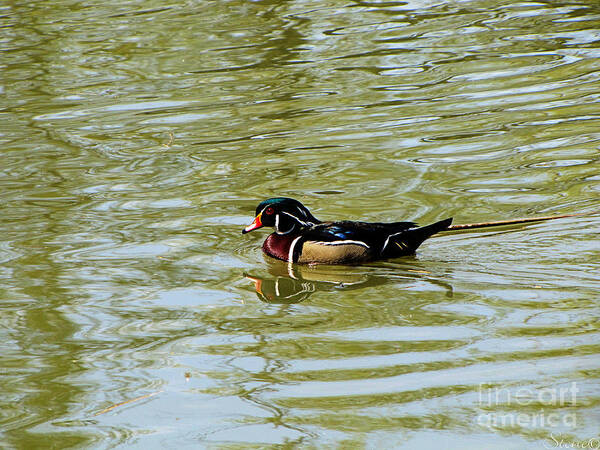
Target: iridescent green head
(282,213)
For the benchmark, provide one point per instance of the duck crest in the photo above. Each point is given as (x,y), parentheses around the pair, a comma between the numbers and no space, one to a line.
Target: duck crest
(278,245)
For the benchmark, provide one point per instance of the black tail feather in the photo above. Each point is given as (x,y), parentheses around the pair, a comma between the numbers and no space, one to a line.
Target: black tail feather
(407,242)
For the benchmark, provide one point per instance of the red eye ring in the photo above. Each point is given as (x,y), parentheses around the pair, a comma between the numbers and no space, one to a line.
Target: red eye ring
(269,211)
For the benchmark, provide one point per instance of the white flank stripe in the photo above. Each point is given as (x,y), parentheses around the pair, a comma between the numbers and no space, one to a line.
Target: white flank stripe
(291,253)
(387,241)
(364,244)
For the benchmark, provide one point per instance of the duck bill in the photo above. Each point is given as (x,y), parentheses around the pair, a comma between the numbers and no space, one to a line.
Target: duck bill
(253,226)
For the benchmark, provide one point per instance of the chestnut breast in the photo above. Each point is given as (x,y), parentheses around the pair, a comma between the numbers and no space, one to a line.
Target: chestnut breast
(278,245)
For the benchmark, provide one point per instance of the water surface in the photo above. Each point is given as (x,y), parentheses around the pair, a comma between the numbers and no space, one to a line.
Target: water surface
(137,140)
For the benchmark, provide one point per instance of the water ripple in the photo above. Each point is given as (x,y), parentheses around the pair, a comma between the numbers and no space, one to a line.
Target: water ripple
(136,143)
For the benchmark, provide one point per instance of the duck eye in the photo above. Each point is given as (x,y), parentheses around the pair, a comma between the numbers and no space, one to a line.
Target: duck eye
(269,211)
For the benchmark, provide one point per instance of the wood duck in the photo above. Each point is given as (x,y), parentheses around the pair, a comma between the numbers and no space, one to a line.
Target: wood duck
(300,237)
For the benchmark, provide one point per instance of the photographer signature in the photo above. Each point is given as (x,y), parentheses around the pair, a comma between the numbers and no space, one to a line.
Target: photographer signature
(592,443)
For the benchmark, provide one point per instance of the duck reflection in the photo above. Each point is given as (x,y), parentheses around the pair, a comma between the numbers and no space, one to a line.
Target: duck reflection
(289,283)
(282,289)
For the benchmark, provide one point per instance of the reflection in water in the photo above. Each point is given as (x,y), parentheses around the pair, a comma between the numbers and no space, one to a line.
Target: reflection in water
(282,289)
(294,283)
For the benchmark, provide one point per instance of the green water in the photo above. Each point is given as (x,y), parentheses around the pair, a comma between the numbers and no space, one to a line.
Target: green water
(137,139)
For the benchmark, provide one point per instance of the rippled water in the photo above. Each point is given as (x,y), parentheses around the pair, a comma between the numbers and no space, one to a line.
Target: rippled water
(138,137)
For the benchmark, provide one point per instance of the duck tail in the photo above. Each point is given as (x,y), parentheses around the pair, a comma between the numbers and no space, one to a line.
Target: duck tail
(407,242)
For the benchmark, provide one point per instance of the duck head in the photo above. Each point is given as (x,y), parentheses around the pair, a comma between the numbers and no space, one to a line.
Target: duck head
(284,214)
